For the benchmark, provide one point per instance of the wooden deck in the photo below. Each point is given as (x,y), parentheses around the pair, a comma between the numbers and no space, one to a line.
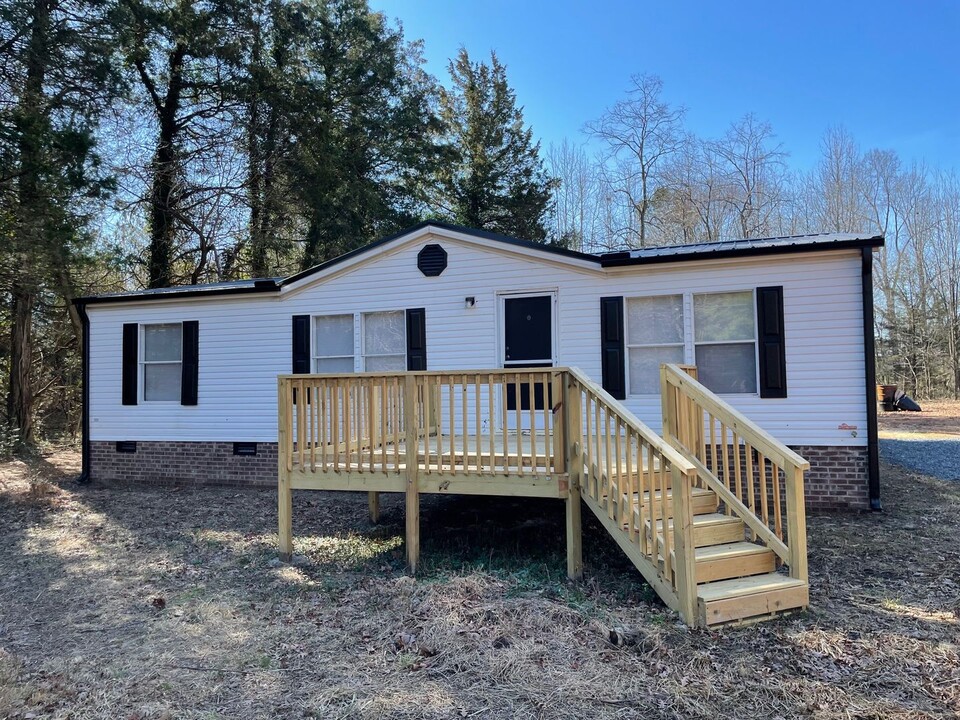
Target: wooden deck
(711,514)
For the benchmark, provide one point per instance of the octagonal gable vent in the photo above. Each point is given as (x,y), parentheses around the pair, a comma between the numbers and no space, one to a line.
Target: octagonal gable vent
(432,260)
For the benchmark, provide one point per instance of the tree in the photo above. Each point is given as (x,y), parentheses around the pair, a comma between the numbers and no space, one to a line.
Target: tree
(55,59)
(576,206)
(180,59)
(367,132)
(641,132)
(494,179)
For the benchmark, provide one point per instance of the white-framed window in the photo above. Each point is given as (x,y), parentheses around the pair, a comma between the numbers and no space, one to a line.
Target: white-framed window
(384,341)
(333,344)
(161,362)
(382,346)
(725,341)
(654,336)
(716,331)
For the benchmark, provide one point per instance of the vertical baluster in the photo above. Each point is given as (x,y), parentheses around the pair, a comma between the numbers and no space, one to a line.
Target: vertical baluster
(650,480)
(737,478)
(598,470)
(713,445)
(631,484)
(503,427)
(383,423)
(618,454)
(764,507)
(547,412)
(463,418)
(588,439)
(777,517)
(608,461)
(312,426)
(725,459)
(518,396)
(490,427)
(451,412)
(751,483)
(395,420)
(666,512)
(532,412)
(322,424)
(476,420)
(301,425)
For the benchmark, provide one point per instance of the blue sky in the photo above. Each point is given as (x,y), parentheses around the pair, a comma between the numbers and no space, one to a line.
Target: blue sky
(887,71)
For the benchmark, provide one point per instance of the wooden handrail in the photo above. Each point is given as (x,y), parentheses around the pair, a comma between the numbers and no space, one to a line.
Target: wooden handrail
(762,440)
(688,408)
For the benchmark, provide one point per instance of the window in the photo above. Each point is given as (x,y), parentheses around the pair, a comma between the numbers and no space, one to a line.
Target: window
(333,344)
(385,341)
(725,341)
(383,347)
(161,362)
(654,336)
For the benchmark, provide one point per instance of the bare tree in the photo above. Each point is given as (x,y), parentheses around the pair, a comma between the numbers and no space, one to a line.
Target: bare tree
(756,170)
(576,210)
(640,132)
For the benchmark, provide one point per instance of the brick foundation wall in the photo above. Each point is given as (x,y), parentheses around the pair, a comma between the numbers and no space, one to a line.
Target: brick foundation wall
(183,463)
(837,479)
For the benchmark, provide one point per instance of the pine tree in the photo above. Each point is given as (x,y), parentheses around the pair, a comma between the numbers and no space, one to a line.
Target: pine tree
(496,180)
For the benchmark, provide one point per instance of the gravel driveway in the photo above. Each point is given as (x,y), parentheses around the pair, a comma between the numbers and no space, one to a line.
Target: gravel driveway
(939,458)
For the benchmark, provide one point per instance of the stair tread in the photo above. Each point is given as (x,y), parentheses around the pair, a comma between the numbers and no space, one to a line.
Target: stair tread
(728,550)
(706,520)
(739,587)
(695,493)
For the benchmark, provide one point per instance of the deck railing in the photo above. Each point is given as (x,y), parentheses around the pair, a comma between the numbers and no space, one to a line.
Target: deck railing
(636,483)
(546,432)
(755,476)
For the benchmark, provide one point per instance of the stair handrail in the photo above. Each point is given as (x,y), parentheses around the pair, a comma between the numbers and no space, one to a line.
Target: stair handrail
(675,579)
(678,382)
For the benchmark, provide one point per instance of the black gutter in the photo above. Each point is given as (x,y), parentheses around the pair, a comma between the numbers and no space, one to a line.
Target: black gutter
(472,232)
(85,476)
(623,259)
(870,372)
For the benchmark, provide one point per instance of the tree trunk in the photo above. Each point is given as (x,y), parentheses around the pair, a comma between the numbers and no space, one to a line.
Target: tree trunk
(164,167)
(20,397)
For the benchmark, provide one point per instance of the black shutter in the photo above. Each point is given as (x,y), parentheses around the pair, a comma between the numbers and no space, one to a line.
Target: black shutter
(131,362)
(190,368)
(301,343)
(611,346)
(417,339)
(772,348)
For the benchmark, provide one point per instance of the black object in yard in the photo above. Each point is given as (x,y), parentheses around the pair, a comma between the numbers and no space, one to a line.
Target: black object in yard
(902,401)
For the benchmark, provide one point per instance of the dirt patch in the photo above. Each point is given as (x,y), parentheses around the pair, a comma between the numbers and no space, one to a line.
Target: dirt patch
(938,418)
(164,603)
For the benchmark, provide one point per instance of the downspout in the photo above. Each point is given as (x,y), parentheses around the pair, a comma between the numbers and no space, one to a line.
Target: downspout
(85,395)
(870,373)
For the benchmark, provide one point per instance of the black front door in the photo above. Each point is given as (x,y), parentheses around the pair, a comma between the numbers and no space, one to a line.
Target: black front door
(527,342)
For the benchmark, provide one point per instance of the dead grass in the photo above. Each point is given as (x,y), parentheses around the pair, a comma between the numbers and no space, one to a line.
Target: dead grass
(939,418)
(150,603)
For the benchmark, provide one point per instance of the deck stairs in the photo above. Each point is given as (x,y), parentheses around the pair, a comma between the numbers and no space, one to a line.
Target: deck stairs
(737,579)
(710,512)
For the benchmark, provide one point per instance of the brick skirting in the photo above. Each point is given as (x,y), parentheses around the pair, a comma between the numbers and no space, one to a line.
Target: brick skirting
(837,477)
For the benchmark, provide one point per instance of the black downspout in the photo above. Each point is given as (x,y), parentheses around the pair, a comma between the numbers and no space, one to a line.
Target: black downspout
(85,396)
(870,371)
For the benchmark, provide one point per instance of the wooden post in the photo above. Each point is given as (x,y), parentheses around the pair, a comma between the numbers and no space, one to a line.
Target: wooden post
(668,407)
(796,524)
(570,421)
(284,492)
(373,501)
(412,440)
(685,565)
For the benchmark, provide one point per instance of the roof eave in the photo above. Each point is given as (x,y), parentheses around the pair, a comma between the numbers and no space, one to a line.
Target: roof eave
(622,259)
(260,287)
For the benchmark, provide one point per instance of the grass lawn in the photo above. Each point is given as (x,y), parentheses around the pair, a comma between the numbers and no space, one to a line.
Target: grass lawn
(158,603)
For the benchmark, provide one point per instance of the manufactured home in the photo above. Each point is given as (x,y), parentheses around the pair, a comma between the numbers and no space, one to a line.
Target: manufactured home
(181,383)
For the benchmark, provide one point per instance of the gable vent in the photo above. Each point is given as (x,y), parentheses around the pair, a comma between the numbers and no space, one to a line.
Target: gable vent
(432,260)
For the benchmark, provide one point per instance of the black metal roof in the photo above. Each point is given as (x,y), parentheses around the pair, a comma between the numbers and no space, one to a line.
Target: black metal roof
(637,256)
(741,248)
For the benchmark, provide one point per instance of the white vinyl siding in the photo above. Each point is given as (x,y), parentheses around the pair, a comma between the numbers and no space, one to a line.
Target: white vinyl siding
(247,339)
